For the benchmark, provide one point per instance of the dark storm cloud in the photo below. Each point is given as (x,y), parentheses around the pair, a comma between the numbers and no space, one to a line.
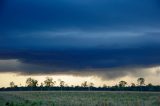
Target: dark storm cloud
(47,36)
(2,3)
(79,60)
(30,15)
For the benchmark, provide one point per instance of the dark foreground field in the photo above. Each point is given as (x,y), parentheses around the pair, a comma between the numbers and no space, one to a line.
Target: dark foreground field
(79,99)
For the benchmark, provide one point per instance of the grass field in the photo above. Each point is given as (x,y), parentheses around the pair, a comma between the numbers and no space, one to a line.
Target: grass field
(79,99)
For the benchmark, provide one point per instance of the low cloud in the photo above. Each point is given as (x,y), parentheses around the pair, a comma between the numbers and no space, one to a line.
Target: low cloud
(98,62)
(15,66)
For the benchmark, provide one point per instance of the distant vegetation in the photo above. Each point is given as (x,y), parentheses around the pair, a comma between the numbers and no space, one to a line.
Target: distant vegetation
(49,85)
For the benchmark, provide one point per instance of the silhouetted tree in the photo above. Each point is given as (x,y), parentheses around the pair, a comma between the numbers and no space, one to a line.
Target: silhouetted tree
(84,84)
(31,82)
(150,85)
(141,81)
(62,83)
(41,86)
(90,86)
(35,83)
(12,85)
(133,84)
(49,82)
(122,83)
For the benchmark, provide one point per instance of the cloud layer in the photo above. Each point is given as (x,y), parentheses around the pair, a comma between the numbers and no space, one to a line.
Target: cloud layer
(76,36)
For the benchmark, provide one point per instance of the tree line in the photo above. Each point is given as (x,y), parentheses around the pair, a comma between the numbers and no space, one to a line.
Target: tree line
(49,84)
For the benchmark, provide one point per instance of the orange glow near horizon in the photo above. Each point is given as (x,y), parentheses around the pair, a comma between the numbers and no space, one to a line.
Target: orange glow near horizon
(6,78)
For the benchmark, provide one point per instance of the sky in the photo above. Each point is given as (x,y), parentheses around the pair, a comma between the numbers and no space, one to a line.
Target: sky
(104,39)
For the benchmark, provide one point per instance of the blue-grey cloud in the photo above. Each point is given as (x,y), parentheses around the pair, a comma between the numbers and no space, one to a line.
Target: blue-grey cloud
(48,35)
(47,15)
(81,40)
(111,63)
(83,59)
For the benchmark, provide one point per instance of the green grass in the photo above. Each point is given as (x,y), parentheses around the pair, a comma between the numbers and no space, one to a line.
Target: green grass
(79,99)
